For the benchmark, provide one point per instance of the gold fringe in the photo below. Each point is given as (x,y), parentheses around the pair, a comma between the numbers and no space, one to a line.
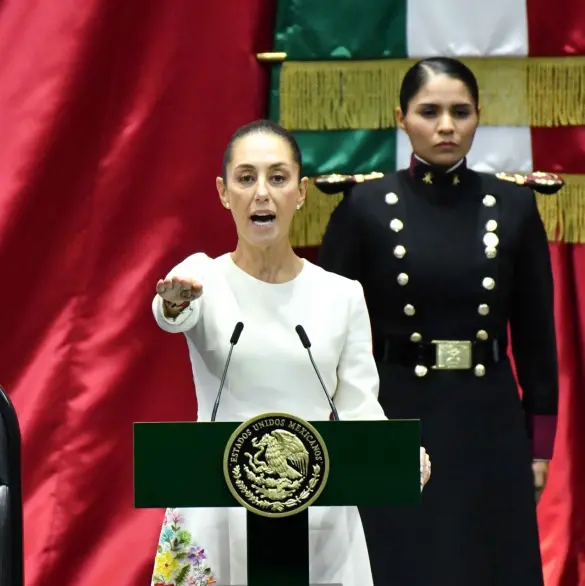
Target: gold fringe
(563,214)
(311,220)
(514,91)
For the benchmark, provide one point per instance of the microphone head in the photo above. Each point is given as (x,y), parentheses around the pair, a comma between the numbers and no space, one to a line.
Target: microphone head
(303,336)
(237,331)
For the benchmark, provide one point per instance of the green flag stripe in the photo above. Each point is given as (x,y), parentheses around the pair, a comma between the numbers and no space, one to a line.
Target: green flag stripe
(309,30)
(274,93)
(347,151)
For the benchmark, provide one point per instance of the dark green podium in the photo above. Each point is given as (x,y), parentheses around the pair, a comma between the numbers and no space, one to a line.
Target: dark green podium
(372,464)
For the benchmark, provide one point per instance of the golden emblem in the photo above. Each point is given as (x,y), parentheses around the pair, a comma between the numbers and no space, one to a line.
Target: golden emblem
(276,465)
(337,183)
(452,355)
(545,183)
(513,178)
(360,178)
(456,180)
(428,178)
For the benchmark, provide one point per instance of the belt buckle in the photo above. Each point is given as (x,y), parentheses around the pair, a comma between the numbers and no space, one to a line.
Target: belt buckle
(452,355)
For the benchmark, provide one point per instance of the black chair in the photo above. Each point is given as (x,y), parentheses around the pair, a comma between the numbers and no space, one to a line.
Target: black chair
(11,516)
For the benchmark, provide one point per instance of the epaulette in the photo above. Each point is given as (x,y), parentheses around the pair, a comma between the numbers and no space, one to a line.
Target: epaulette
(545,183)
(335,183)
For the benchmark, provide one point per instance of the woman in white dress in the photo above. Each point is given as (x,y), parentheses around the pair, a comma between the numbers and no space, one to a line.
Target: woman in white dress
(267,287)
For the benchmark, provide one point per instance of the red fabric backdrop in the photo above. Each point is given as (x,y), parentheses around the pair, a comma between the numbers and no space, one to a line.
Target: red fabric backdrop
(114,117)
(561,512)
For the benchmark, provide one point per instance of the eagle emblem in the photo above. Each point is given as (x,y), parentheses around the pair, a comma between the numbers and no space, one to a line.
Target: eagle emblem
(276,465)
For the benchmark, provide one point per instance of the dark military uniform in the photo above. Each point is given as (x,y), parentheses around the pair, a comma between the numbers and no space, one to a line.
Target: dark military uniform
(447,260)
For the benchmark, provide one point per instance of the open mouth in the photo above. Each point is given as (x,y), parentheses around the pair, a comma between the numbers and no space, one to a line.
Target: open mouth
(263,220)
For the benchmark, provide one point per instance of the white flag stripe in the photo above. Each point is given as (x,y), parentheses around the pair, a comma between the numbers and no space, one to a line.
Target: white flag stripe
(495,149)
(467,28)
(473,28)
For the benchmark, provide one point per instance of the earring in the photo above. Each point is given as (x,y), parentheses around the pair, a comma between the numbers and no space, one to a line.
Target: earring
(298,206)
(227,205)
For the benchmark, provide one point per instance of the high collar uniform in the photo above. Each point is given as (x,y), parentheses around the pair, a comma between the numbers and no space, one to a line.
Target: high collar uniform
(450,261)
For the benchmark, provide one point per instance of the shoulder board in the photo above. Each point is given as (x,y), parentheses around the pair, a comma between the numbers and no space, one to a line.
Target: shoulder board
(335,183)
(545,183)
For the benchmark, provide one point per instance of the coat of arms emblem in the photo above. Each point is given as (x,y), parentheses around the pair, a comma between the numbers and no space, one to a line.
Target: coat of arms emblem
(276,465)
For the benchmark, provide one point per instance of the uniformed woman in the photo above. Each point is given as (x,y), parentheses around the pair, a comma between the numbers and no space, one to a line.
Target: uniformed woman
(449,258)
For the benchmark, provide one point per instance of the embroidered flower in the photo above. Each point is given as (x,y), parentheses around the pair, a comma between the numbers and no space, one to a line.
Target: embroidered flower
(196,554)
(175,517)
(165,565)
(179,562)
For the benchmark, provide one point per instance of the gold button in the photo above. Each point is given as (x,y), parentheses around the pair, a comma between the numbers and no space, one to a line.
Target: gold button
(479,370)
(415,337)
(396,225)
(489,201)
(399,251)
(482,335)
(488,283)
(391,198)
(491,225)
(483,309)
(409,310)
(402,279)
(420,370)
(491,252)
(490,239)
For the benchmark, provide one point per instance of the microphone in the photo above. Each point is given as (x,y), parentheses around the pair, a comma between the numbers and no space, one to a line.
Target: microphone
(233,341)
(307,344)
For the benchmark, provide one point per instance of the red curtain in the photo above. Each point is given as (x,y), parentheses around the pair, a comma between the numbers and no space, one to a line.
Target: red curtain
(562,509)
(114,117)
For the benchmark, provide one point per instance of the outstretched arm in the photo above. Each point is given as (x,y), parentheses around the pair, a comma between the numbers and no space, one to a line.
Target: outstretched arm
(177,305)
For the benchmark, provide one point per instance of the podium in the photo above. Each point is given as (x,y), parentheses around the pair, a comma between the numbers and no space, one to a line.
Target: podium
(371,464)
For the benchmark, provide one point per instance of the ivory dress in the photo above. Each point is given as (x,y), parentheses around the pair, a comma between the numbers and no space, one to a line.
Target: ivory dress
(270,371)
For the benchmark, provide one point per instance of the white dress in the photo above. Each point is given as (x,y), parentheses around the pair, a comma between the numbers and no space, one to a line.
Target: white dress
(271,371)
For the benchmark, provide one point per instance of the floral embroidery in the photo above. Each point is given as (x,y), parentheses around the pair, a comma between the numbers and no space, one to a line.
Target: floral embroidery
(178,561)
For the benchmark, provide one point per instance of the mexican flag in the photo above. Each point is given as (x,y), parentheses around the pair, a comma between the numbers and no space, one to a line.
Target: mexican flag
(342,63)
(336,70)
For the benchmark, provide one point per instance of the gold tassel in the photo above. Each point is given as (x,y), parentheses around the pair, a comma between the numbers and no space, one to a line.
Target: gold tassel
(514,91)
(563,214)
